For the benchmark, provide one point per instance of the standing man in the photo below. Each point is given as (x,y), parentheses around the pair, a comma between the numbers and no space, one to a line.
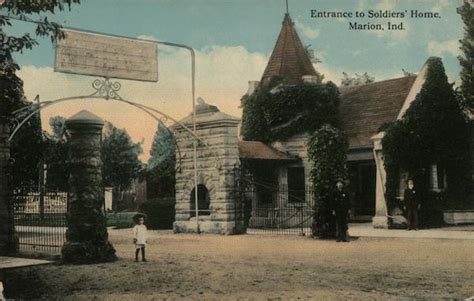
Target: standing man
(340,208)
(412,205)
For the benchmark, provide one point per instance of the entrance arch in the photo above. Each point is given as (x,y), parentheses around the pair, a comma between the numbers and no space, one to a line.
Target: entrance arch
(204,201)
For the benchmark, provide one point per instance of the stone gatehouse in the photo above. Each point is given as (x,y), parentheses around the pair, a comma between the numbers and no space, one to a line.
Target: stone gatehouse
(363,110)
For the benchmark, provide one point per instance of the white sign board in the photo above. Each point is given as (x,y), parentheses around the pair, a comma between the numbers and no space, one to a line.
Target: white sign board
(108,56)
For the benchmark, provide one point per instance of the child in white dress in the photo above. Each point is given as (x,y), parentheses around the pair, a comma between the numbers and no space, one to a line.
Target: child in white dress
(140,235)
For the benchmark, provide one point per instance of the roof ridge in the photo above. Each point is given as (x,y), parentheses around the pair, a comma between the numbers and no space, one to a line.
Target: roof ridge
(377,82)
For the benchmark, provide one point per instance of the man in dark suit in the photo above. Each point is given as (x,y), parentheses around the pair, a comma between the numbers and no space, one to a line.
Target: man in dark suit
(411,205)
(340,208)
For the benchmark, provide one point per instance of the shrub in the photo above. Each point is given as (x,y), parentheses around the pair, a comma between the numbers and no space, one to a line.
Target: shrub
(160,213)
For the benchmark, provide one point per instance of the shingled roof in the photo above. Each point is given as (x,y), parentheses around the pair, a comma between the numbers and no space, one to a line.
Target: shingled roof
(256,150)
(365,108)
(289,60)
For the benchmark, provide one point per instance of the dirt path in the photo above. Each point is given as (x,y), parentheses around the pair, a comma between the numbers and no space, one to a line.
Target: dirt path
(255,267)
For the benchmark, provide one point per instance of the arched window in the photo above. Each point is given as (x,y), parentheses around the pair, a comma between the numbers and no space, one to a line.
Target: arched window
(203,201)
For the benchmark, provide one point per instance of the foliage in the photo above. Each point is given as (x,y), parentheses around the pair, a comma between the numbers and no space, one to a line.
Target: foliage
(162,153)
(160,172)
(56,155)
(26,148)
(434,130)
(327,148)
(26,151)
(277,115)
(160,213)
(11,93)
(467,59)
(120,158)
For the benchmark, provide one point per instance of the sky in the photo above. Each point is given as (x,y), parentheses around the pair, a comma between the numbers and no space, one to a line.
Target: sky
(233,40)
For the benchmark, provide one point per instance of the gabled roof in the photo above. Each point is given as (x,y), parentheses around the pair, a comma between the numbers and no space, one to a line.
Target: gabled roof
(365,108)
(289,60)
(256,150)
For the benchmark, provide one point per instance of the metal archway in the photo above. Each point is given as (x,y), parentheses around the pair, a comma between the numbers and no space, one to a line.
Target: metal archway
(105,89)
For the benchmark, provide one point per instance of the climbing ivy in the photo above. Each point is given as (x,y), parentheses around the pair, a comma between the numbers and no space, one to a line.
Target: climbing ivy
(270,115)
(434,130)
(327,148)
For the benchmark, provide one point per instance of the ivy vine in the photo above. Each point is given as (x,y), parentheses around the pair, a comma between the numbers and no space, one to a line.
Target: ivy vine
(434,130)
(327,148)
(279,114)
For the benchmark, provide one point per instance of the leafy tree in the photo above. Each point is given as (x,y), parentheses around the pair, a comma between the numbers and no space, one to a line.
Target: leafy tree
(120,158)
(161,165)
(26,148)
(56,155)
(327,148)
(467,59)
(11,93)
(434,130)
(163,152)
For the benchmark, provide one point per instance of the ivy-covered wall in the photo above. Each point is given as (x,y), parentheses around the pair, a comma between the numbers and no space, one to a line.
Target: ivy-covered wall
(434,130)
(269,117)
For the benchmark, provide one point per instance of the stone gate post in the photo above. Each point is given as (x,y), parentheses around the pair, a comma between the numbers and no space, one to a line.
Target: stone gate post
(87,238)
(7,245)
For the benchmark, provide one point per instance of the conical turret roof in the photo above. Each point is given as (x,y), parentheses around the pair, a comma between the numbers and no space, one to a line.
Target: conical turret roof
(289,60)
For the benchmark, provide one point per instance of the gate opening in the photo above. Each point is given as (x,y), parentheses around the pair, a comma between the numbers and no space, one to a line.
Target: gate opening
(203,201)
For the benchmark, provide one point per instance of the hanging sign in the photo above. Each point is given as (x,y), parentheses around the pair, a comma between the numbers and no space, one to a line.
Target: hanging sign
(95,54)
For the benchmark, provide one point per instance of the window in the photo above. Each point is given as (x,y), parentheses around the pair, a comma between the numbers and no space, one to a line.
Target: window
(437,178)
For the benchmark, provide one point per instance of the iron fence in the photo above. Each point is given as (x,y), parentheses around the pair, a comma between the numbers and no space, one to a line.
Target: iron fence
(40,220)
(274,208)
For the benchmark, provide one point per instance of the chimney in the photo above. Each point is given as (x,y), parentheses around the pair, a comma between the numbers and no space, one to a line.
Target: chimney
(253,85)
(310,79)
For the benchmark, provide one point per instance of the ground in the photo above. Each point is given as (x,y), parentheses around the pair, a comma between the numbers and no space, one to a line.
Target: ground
(260,267)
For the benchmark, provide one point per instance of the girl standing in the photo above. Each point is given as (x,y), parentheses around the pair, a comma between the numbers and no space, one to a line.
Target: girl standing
(140,235)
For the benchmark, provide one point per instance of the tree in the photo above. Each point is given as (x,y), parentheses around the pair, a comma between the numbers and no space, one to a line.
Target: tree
(56,155)
(162,162)
(11,96)
(467,59)
(327,148)
(26,148)
(163,152)
(434,130)
(119,158)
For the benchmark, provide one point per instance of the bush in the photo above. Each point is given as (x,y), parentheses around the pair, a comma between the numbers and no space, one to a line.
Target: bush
(120,219)
(160,213)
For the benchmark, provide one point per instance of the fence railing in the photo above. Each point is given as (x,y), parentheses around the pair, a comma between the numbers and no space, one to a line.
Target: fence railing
(40,220)
(279,209)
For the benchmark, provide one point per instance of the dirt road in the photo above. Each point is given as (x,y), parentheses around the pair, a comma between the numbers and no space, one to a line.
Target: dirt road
(259,267)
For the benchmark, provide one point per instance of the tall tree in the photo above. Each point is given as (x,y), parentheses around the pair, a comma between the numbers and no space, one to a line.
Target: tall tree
(56,154)
(26,147)
(467,59)
(163,152)
(162,162)
(120,158)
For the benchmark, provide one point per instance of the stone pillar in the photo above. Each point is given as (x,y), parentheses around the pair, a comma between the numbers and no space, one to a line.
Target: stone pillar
(216,163)
(380,220)
(7,245)
(87,238)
